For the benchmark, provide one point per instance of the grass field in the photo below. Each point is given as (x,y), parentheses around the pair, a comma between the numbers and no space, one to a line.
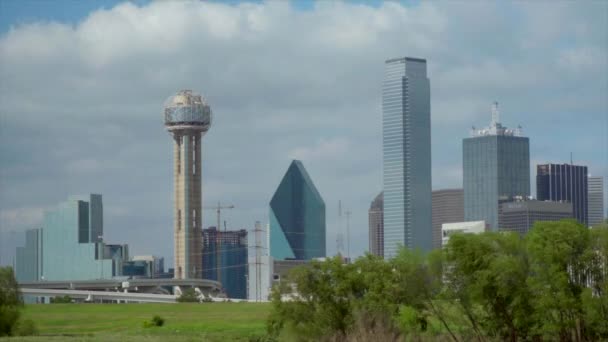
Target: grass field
(124,322)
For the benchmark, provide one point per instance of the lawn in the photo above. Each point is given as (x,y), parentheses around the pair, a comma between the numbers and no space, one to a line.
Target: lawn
(124,322)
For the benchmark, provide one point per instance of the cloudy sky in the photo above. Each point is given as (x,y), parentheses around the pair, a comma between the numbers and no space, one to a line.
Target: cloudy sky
(82,86)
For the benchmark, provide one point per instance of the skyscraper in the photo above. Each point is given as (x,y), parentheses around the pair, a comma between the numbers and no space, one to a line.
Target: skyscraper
(447,208)
(406,129)
(496,169)
(187,118)
(297,217)
(70,245)
(564,182)
(232,248)
(595,201)
(376,226)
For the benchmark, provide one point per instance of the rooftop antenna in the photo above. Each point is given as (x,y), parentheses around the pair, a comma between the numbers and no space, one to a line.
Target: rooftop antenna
(495,114)
(348,213)
(571,163)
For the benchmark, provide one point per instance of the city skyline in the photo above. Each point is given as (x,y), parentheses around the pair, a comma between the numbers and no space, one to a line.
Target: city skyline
(327,112)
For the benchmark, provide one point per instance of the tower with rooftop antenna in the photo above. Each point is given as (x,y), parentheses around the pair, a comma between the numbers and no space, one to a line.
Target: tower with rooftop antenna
(187,118)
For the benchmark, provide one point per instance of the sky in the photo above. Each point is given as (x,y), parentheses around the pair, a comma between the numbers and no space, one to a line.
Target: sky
(82,86)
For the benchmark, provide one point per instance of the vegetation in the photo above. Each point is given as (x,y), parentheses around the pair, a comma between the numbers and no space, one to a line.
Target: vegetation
(551,285)
(188,296)
(61,300)
(123,322)
(156,321)
(10,302)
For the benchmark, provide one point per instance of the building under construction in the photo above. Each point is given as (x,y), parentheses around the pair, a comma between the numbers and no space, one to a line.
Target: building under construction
(225,259)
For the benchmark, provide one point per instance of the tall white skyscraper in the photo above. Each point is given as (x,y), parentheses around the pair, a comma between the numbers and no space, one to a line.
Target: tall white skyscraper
(406,123)
(595,201)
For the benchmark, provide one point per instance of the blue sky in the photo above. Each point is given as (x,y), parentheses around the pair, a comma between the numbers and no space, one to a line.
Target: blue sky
(83,84)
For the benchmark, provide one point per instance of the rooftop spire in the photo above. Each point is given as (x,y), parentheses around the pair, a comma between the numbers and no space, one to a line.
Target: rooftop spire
(495,114)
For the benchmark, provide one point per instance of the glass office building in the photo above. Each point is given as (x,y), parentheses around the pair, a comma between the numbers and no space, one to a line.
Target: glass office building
(564,183)
(496,169)
(595,201)
(297,217)
(406,129)
(70,245)
(225,257)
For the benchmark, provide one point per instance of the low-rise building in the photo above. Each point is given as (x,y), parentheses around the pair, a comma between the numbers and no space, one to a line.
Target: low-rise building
(469,227)
(519,216)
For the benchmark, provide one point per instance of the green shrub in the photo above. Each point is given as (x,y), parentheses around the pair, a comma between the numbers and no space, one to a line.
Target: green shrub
(188,296)
(26,328)
(61,300)
(156,321)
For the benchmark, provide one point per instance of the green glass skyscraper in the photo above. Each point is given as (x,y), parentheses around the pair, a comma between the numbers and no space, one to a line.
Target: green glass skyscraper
(297,217)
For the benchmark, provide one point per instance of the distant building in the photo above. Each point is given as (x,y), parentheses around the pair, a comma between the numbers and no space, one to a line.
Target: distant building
(144,266)
(297,217)
(471,227)
(225,259)
(496,168)
(260,278)
(595,200)
(376,226)
(406,147)
(564,183)
(520,216)
(70,245)
(29,259)
(448,207)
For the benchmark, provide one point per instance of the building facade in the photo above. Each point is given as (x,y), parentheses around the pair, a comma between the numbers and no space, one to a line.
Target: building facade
(70,245)
(29,257)
(406,146)
(187,117)
(470,227)
(496,169)
(564,183)
(595,200)
(297,217)
(520,216)
(448,207)
(376,226)
(225,258)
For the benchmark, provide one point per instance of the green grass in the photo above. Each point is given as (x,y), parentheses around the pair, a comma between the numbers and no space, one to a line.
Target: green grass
(124,322)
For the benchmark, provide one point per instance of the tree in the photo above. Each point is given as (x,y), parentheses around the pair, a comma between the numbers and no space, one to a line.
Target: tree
(188,296)
(10,301)
(561,260)
(486,277)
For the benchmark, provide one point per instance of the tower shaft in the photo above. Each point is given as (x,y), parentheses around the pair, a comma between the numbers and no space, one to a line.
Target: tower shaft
(187,208)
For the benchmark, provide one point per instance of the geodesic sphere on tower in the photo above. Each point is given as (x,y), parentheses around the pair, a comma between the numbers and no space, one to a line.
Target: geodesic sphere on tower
(187,108)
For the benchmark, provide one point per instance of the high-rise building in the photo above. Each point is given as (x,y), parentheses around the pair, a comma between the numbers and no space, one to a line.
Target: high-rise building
(187,118)
(520,216)
(376,226)
(564,183)
(406,129)
(496,169)
(29,258)
(448,207)
(469,227)
(225,260)
(70,245)
(595,200)
(297,217)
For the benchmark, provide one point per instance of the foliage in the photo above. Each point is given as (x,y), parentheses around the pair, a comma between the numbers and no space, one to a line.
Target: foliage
(26,327)
(188,296)
(550,285)
(10,301)
(156,321)
(61,300)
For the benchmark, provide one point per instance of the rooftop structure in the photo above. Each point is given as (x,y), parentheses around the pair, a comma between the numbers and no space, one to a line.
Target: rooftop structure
(187,117)
(496,128)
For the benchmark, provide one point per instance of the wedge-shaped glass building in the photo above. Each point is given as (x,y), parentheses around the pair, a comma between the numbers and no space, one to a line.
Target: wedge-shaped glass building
(297,217)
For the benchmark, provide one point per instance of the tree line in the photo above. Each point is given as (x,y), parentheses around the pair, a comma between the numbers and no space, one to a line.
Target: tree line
(550,285)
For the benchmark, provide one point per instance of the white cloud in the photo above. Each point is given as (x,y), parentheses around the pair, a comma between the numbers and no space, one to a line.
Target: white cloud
(80,105)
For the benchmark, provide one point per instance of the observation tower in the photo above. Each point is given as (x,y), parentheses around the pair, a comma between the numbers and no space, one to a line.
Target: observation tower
(187,118)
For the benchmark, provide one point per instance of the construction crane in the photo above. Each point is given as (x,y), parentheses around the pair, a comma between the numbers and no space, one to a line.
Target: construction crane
(218,241)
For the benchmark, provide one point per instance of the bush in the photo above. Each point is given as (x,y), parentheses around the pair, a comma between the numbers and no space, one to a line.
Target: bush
(26,328)
(10,301)
(156,321)
(188,296)
(61,300)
